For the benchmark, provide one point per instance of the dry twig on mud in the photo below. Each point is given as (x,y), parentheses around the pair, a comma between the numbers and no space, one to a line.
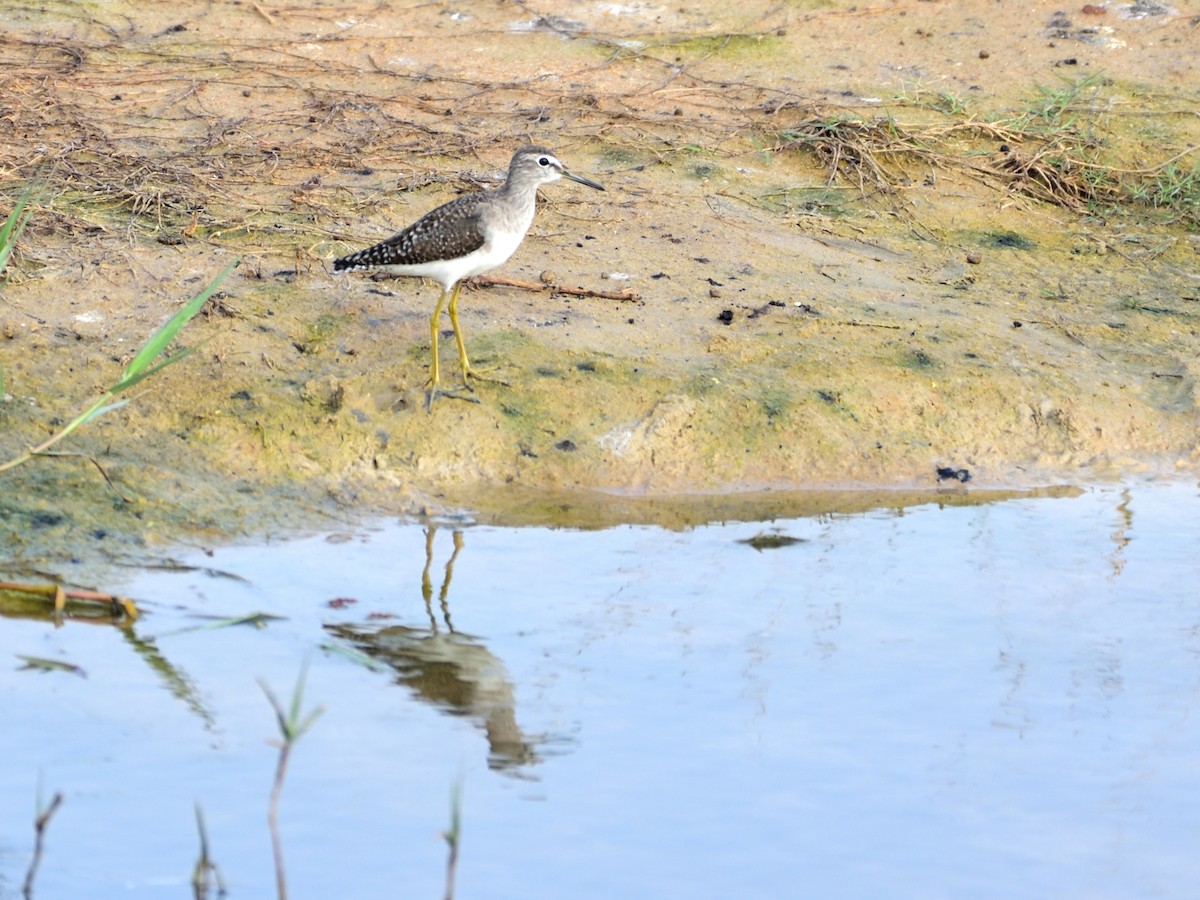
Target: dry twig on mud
(629,295)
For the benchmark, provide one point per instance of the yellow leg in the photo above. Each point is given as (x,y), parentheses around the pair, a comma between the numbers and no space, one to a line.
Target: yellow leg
(435,380)
(467,371)
(434,374)
(458,338)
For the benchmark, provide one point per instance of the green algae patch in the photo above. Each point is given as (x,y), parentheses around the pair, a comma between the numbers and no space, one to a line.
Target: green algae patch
(759,48)
(1006,240)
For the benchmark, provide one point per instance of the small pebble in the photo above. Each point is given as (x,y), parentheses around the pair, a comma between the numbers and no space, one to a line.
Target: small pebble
(983,54)
(974,257)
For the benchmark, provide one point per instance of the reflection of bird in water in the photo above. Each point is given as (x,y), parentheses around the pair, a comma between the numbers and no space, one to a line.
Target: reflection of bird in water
(457,674)
(454,671)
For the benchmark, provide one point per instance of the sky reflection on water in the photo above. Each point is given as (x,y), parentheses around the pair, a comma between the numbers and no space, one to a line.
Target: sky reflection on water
(985,701)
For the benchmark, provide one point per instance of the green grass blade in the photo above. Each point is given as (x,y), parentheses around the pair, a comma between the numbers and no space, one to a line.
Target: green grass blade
(96,412)
(136,370)
(99,408)
(257,620)
(9,232)
(130,380)
(41,664)
(355,656)
(14,225)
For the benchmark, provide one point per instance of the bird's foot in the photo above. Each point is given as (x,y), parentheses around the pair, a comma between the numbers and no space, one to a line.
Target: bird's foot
(435,391)
(471,372)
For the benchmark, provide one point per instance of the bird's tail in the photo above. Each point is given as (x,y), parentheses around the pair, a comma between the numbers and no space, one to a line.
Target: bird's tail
(347,262)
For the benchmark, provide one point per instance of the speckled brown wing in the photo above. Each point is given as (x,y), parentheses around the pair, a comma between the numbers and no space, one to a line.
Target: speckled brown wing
(448,232)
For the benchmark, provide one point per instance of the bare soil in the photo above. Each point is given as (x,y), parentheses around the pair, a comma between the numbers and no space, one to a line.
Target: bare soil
(854,314)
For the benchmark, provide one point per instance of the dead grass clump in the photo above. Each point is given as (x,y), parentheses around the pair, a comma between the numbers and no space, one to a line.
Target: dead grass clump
(1055,154)
(865,153)
(1052,175)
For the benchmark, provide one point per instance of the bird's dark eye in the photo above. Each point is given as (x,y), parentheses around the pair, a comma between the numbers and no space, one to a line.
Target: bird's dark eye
(543,161)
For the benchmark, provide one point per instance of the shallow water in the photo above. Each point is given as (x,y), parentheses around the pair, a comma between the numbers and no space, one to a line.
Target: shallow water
(938,701)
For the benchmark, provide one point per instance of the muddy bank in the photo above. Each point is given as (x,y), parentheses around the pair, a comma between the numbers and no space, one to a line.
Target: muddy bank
(793,327)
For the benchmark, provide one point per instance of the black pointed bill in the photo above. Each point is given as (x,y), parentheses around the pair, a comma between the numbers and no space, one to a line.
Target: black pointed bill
(582,180)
